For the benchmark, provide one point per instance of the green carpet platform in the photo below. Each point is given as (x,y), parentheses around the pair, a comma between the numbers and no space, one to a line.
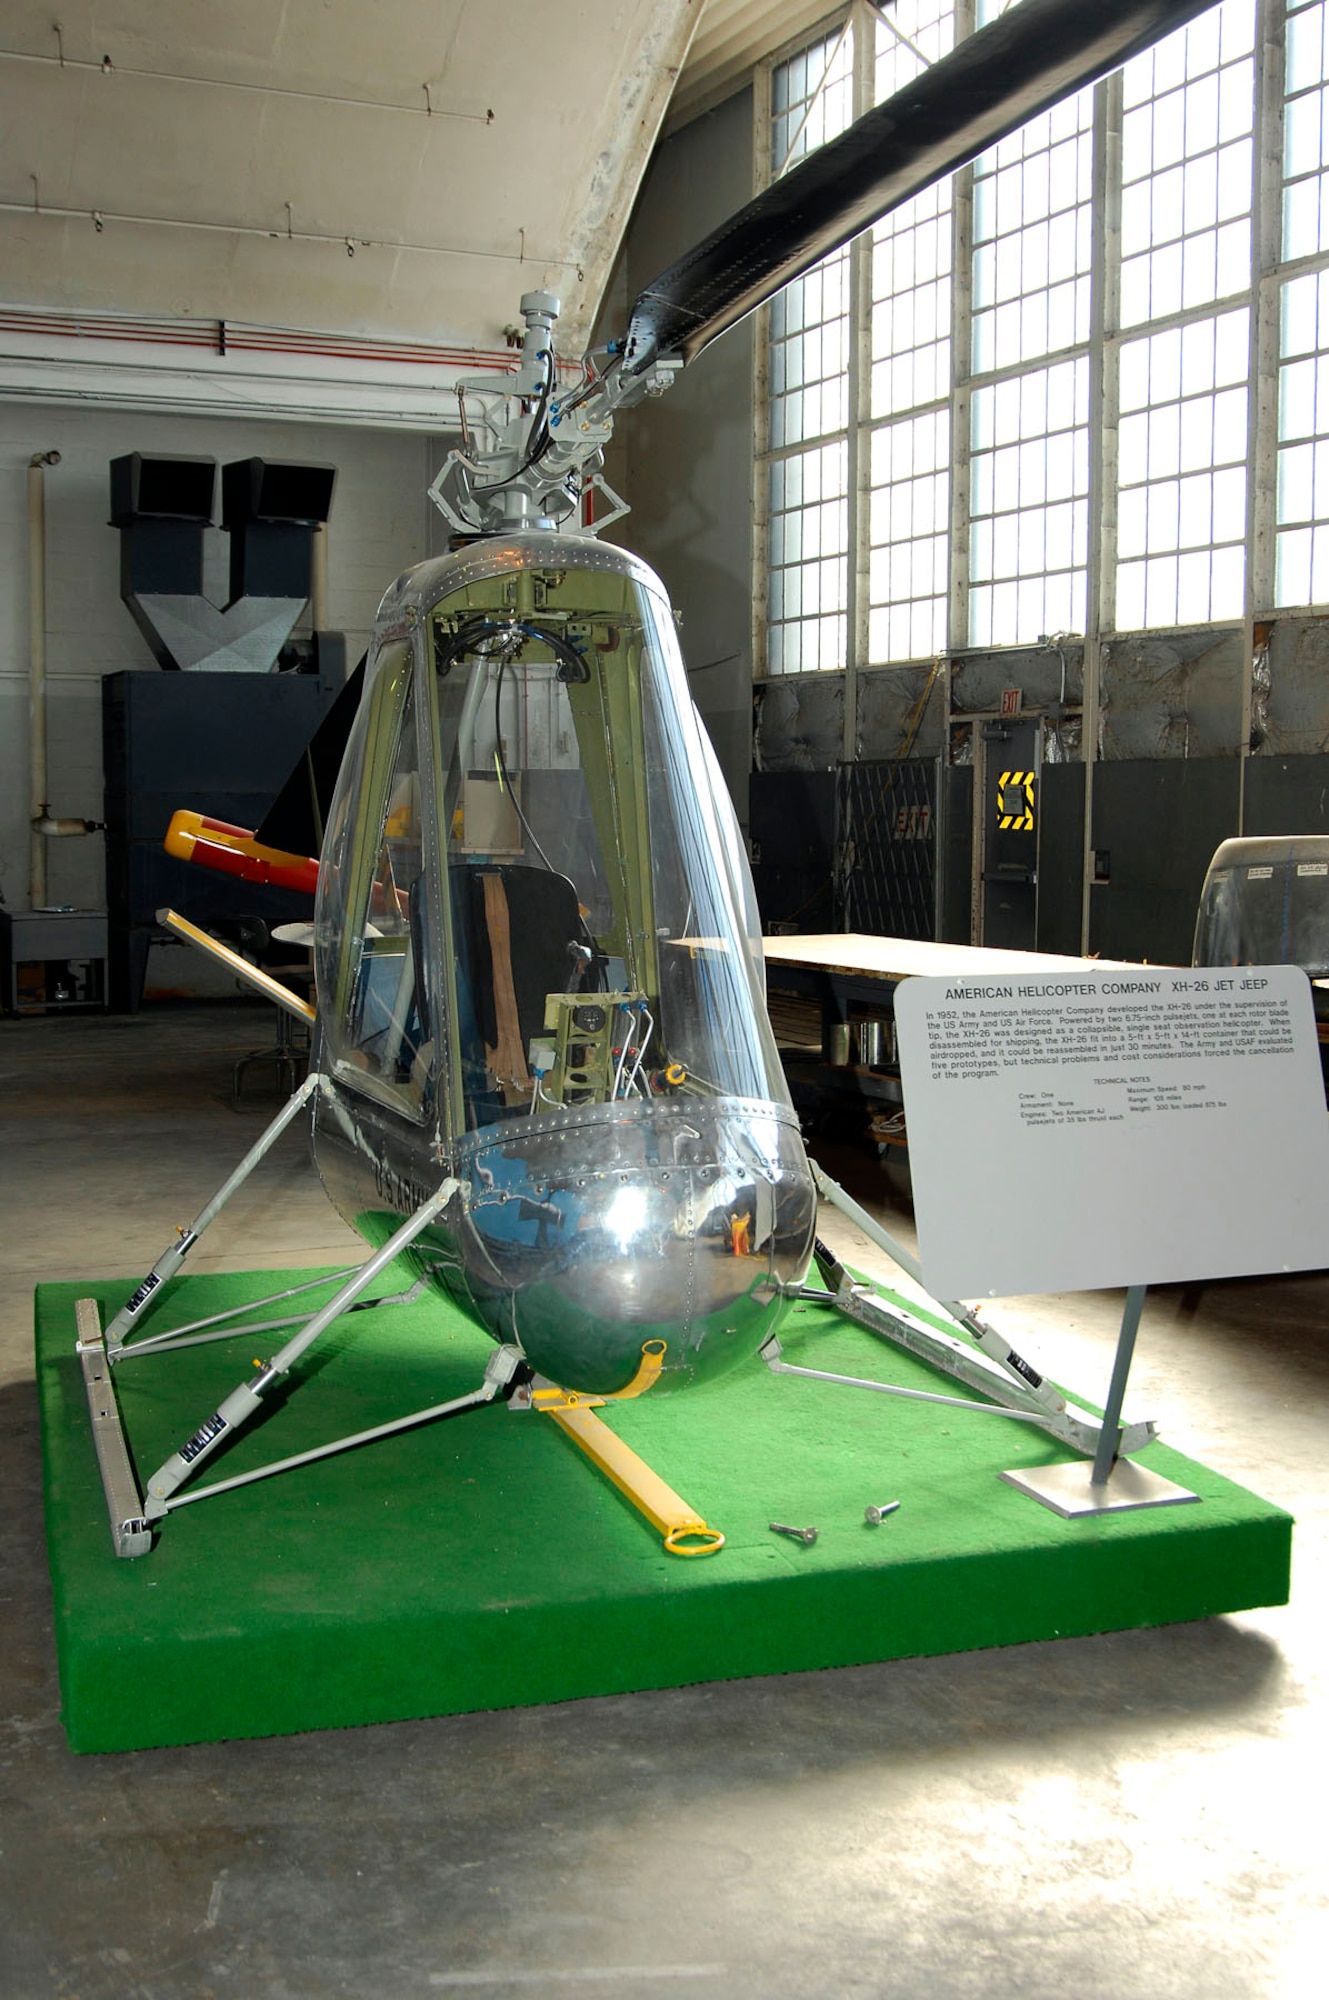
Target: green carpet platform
(484,1563)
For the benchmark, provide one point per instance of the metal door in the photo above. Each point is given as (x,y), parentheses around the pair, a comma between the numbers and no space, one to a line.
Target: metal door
(1008,833)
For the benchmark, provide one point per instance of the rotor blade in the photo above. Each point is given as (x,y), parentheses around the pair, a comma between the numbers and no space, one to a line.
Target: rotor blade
(297,816)
(1027,60)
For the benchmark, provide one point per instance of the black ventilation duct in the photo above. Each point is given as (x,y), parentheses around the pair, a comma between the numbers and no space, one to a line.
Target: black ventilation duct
(161,506)
(270,511)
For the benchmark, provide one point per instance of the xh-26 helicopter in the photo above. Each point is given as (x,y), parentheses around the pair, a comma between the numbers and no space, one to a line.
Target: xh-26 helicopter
(542,1070)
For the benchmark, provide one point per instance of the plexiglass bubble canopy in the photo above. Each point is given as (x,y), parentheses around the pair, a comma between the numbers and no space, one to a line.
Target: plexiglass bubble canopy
(538,951)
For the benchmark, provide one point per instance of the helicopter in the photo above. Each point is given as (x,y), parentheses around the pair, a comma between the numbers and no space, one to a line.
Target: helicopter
(542,1071)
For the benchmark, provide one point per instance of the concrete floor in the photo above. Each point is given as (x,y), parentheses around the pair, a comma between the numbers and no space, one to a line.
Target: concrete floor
(1140,1812)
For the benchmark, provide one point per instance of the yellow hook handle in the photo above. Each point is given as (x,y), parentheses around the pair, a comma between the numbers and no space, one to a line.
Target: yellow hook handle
(704,1541)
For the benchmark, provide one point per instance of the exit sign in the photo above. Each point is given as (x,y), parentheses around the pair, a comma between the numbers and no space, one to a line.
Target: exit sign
(1010,701)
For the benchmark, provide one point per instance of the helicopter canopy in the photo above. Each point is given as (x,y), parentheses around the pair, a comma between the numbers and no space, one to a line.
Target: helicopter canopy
(534,899)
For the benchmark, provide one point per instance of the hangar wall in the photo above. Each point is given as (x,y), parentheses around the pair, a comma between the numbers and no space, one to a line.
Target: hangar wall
(1195,734)
(1252,703)
(381,521)
(685,462)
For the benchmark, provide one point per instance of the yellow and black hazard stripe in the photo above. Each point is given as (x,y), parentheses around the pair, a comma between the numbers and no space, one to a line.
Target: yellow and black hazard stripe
(1015,801)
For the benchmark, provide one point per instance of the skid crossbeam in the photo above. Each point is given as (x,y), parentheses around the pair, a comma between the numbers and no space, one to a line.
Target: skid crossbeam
(247,1397)
(223,1326)
(133,1510)
(166,1266)
(504,1366)
(132,1520)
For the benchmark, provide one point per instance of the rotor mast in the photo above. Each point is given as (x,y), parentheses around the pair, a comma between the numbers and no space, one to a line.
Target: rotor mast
(530,452)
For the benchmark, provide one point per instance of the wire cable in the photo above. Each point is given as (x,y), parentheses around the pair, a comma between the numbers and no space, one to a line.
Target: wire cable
(501,765)
(539,441)
(643,1013)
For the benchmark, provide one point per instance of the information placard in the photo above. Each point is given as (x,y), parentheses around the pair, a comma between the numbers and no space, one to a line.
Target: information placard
(1074,1130)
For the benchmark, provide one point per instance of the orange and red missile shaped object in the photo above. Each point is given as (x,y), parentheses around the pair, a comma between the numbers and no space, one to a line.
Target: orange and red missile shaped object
(232,850)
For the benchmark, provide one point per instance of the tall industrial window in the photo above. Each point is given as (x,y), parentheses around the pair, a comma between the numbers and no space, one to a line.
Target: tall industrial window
(812,99)
(1082,386)
(1187,150)
(1302,559)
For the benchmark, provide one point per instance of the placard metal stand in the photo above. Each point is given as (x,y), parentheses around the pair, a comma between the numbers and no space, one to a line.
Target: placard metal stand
(1112,1483)
(1074,1130)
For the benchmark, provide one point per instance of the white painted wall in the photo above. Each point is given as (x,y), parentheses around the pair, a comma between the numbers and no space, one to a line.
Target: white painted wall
(685,460)
(381,522)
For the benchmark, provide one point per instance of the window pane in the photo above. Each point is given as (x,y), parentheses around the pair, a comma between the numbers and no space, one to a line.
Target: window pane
(807,561)
(908,528)
(1029,506)
(1305,133)
(809,355)
(911,304)
(1187,166)
(807,583)
(812,99)
(915,32)
(1031,227)
(1302,550)
(1182,474)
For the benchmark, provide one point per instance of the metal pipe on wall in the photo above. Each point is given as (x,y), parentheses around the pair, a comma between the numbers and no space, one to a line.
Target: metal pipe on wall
(42,824)
(318,579)
(39,806)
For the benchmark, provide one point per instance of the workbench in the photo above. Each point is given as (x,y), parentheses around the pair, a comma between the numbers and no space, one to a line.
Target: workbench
(831,998)
(52,960)
(860,956)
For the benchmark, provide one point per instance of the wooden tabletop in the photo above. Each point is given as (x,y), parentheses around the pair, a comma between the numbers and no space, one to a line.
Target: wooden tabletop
(859,955)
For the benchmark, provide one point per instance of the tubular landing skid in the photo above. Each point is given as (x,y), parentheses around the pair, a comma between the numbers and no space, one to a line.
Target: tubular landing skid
(135,1513)
(974,1353)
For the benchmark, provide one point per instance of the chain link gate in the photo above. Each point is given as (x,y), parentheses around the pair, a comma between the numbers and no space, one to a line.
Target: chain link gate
(886,848)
